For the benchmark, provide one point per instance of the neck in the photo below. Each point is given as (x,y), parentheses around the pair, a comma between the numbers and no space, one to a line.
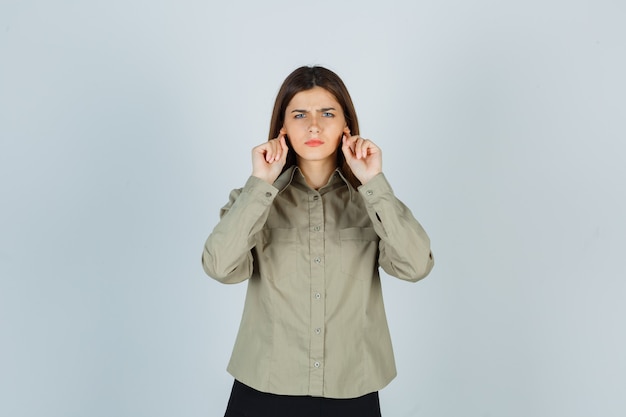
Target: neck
(317,173)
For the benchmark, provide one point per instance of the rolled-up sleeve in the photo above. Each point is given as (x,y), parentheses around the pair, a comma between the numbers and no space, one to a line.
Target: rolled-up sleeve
(404,248)
(227,255)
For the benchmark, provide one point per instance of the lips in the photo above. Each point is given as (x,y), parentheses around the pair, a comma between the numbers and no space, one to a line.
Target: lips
(313,142)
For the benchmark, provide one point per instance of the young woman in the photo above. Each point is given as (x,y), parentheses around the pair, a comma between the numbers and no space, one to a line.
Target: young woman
(309,231)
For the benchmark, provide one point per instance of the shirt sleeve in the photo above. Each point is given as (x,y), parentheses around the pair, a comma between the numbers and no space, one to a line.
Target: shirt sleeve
(404,245)
(227,255)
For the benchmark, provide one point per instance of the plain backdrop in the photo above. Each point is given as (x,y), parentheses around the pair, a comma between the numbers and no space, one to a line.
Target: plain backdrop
(125,124)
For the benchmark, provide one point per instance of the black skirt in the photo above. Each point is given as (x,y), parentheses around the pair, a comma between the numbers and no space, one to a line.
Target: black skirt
(248,402)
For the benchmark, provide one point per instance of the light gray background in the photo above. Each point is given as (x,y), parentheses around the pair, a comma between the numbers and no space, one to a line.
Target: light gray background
(124,125)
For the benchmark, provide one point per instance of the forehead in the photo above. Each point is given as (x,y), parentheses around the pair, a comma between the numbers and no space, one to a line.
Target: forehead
(316,97)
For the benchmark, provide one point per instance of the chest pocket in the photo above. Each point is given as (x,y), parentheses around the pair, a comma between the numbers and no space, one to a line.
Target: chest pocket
(277,252)
(359,251)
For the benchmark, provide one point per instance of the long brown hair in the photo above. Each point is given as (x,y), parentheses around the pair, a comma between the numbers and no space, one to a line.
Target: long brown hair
(305,78)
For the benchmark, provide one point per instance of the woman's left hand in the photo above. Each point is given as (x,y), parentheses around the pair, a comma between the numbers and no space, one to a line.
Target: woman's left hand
(364,158)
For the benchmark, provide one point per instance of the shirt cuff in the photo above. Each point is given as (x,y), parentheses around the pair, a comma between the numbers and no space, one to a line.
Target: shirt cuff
(260,190)
(375,189)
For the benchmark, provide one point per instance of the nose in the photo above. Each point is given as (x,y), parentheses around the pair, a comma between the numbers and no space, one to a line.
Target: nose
(314,127)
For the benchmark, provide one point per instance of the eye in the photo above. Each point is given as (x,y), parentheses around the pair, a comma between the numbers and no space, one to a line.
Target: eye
(298,116)
(327,114)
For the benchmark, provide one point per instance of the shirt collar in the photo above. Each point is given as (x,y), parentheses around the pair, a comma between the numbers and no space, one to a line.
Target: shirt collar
(287,177)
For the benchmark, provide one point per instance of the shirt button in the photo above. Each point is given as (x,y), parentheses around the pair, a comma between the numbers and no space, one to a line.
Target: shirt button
(318,296)
(268,194)
(318,331)
(317,260)
(369,192)
(316,364)
(316,197)
(317,228)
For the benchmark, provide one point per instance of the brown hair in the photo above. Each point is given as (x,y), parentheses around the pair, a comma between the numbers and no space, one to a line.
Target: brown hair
(305,78)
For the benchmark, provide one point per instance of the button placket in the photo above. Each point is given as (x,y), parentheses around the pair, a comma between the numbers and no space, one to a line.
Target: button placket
(318,290)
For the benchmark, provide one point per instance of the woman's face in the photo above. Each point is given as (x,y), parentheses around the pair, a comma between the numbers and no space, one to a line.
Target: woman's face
(314,124)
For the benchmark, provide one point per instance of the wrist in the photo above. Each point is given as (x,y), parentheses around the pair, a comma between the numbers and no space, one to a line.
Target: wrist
(268,179)
(369,177)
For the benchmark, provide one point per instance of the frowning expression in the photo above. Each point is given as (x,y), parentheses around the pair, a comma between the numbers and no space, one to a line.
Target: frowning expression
(314,124)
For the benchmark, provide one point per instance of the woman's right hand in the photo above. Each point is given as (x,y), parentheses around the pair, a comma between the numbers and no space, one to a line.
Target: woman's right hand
(269,158)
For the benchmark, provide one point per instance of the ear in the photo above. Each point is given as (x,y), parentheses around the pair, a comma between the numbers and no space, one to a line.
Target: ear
(283,132)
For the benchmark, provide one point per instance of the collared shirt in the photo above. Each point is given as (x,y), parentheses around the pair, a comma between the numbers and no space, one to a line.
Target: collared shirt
(314,321)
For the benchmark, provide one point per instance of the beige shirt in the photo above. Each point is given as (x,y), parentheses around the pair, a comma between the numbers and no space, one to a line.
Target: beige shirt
(314,321)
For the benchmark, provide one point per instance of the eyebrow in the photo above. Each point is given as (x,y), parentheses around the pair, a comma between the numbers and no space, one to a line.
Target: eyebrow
(325,109)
